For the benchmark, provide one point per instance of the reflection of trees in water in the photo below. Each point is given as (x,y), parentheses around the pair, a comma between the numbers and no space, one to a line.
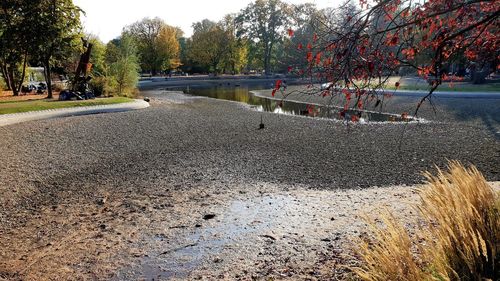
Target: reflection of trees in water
(242,94)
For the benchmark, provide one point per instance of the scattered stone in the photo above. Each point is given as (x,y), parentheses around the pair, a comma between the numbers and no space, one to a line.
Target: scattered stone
(208,216)
(102,201)
(269,237)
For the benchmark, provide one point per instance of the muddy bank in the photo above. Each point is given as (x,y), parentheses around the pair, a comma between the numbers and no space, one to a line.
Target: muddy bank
(243,232)
(124,196)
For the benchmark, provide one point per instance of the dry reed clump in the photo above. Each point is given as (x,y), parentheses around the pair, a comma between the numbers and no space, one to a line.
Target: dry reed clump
(459,239)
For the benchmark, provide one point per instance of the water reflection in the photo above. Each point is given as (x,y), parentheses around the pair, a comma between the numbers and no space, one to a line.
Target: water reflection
(241,93)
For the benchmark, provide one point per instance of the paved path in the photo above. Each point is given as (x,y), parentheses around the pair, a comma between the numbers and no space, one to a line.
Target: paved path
(446,94)
(10,119)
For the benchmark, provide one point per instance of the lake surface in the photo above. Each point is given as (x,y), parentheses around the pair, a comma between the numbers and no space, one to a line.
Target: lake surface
(243,93)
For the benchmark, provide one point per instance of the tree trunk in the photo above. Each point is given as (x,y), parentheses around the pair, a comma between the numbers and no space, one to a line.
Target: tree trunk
(13,84)
(48,79)
(267,58)
(23,74)
(5,75)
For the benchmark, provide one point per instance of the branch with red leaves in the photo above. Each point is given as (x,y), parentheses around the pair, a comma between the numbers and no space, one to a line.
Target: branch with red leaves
(357,56)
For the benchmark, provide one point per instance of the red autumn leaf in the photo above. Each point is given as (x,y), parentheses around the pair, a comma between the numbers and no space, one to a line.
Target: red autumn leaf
(278,84)
(360,104)
(300,46)
(371,66)
(409,53)
(290,69)
(392,40)
(309,56)
(362,50)
(309,46)
(318,58)
(290,32)
(315,37)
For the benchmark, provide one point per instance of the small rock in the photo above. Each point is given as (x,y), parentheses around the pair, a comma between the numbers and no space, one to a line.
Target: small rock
(208,216)
(102,201)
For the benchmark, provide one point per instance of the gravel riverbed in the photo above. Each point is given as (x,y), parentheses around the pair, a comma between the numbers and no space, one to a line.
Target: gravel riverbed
(119,196)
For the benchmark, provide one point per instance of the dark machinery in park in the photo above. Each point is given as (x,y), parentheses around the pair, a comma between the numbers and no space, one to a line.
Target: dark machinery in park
(80,89)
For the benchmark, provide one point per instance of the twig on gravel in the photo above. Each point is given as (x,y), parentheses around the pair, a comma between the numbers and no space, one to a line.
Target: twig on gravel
(178,249)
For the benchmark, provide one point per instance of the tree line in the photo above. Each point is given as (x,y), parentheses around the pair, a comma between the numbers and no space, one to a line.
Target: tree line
(268,36)
(48,33)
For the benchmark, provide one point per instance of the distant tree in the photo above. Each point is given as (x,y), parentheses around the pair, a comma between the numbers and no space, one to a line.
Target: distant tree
(157,43)
(209,44)
(265,22)
(13,43)
(124,65)
(236,57)
(307,22)
(111,53)
(98,55)
(54,32)
(215,47)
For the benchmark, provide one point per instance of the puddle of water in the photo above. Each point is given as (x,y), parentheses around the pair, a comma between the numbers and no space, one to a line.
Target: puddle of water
(237,228)
(242,93)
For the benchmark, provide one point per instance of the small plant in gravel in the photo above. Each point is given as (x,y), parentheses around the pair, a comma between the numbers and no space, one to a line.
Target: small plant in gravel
(459,239)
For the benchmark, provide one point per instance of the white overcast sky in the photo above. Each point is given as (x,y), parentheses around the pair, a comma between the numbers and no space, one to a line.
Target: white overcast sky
(106,18)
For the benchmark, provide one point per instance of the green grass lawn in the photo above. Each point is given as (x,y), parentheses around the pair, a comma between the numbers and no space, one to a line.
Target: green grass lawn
(7,107)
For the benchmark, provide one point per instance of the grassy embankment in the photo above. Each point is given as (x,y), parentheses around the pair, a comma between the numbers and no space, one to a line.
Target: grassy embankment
(19,106)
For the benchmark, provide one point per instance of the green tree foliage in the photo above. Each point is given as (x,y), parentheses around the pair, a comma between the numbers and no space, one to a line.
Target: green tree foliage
(215,47)
(97,57)
(209,44)
(157,43)
(236,58)
(309,22)
(54,33)
(14,19)
(265,23)
(124,66)
(3,85)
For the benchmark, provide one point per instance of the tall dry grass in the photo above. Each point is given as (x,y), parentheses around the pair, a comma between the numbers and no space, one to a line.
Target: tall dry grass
(459,239)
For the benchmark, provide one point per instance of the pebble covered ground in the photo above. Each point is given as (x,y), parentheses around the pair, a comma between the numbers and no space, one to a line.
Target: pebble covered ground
(123,196)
